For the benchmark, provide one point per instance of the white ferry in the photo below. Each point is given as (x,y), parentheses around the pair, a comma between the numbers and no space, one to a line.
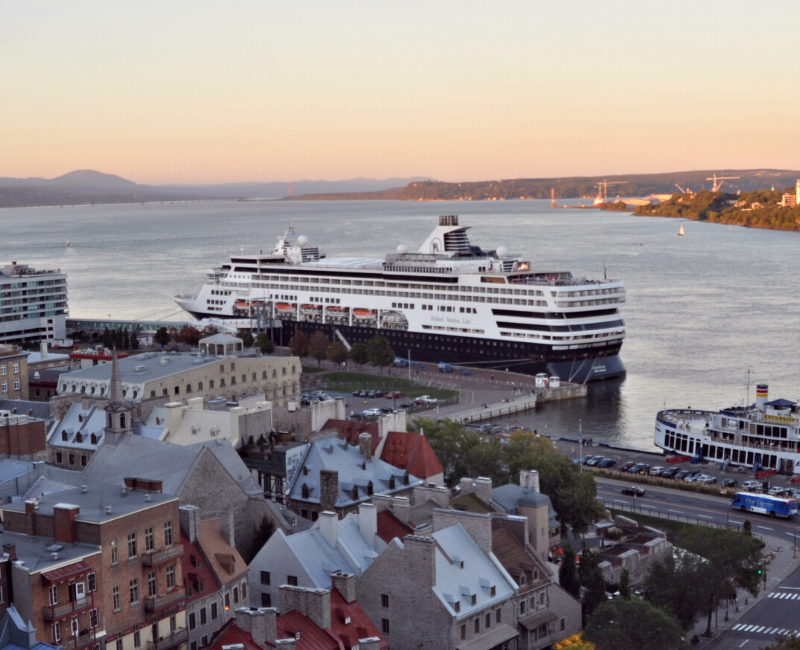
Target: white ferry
(764,435)
(450,301)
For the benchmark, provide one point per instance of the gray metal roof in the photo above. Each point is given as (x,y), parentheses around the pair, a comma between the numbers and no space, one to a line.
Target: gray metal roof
(150,364)
(32,551)
(79,420)
(40,410)
(11,469)
(353,469)
(509,496)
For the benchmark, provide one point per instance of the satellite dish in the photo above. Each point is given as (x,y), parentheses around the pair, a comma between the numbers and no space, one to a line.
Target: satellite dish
(302,240)
(502,251)
(402,249)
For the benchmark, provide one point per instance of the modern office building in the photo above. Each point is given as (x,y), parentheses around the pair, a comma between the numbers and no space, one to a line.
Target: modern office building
(33,304)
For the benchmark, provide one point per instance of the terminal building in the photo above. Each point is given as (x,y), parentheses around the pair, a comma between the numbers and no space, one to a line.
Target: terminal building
(33,304)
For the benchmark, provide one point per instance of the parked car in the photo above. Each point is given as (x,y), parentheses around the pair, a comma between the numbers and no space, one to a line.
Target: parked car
(691,476)
(639,468)
(751,485)
(657,471)
(387,409)
(399,363)
(593,462)
(359,393)
(394,394)
(626,466)
(777,491)
(680,476)
(670,472)
(408,405)
(607,462)
(729,482)
(633,491)
(706,479)
(426,399)
(368,413)
(795,493)
(587,459)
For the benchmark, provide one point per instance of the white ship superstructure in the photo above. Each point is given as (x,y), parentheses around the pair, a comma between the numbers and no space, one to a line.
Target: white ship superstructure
(765,435)
(449,301)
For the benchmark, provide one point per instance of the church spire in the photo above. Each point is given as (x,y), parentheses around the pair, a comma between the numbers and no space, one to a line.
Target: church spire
(115,387)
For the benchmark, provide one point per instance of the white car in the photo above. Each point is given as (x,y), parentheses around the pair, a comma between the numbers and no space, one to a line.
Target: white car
(657,471)
(371,413)
(705,478)
(751,485)
(777,491)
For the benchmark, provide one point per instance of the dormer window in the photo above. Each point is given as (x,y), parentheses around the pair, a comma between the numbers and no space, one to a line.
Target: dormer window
(304,491)
(522,579)
(493,591)
(64,436)
(355,493)
(474,599)
(405,478)
(369,489)
(391,480)
(456,607)
(79,437)
(93,438)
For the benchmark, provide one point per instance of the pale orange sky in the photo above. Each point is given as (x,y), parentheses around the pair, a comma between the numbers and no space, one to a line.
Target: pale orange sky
(260,91)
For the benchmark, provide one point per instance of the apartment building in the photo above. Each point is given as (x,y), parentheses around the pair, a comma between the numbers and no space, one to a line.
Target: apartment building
(13,373)
(33,304)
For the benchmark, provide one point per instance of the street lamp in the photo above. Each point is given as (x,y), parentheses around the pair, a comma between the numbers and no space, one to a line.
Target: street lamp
(580,445)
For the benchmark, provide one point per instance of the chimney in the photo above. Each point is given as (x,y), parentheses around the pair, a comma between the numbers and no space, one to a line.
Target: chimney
(237,414)
(286,644)
(328,523)
(365,445)
(43,350)
(173,417)
(64,522)
(196,403)
(328,488)
(11,551)
(421,560)
(260,623)
(190,522)
(481,487)
(439,495)
(345,584)
(529,478)
(478,526)
(314,603)
(30,518)
(401,507)
(382,501)
(762,396)
(370,643)
(227,528)
(368,522)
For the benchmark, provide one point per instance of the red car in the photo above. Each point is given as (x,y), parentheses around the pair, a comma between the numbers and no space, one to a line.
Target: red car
(626,466)
(393,394)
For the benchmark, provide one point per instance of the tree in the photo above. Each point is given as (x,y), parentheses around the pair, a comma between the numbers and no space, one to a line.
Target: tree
(784,642)
(126,340)
(105,338)
(319,346)
(264,343)
(162,336)
(670,584)
(191,336)
(134,340)
(359,354)
(567,574)
(380,352)
(337,353)
(747,527)
(632,625)
(299,344)
(592,582)
(625,584)
(247,337)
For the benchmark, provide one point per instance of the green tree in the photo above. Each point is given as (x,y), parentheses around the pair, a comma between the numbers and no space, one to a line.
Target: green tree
(299,344)
(105,338)
(126,340)
(380,352)
(337,353)
(625,584)
(632,625)
(592,582)
(265,344)
(747,527)
(318,346)
(247,337)
(134,340)
(784,642)
(670,583)
(161,336)
(359,354)
(191,336)
(567,574)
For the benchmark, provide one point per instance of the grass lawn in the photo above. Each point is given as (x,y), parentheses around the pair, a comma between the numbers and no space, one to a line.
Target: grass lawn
(347,382)
(310,370)
(671,527)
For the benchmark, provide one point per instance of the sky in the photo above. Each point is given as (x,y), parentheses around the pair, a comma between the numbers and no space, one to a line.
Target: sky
(205,91)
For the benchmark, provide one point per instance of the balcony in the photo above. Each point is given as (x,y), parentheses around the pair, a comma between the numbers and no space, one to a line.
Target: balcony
(155,603)
(60,611)
(159,557)
(178,637)
(73,643)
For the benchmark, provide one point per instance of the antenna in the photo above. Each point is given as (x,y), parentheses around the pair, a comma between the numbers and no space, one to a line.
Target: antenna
(747,383)
(605,272)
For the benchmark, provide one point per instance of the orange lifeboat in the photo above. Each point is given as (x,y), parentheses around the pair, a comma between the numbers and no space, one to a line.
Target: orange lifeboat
(242,304)
(365,313)
(284,306)
(335,309)
(310,308)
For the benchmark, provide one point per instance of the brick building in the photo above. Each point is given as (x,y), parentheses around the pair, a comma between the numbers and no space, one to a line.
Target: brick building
(13,373)
(22,436)
(140,594)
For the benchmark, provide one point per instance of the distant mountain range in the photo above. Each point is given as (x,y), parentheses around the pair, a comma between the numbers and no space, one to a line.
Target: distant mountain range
(86,186)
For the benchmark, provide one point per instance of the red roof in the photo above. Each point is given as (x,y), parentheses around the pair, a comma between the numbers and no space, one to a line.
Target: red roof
(411,451)
(389,526)
(195,568)
(57,575)
(350,430)
(359,627)
(312,636)
(231,634)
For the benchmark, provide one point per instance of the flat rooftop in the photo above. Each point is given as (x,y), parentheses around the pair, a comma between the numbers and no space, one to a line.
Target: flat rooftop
(37,552)
(145,367)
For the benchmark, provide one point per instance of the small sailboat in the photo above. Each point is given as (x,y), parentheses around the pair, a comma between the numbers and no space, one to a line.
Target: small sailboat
(680,232)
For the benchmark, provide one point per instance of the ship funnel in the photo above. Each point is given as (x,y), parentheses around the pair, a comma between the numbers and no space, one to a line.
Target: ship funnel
(762,396)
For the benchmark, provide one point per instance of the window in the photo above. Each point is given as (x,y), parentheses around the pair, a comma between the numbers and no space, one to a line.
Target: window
(384,600)
(93,617)
(168,533)
(222,367)
(72,459)
(236,595)
(134,591)
(80,591)
(114,554)
(152,584)
(265,578)
(498,616)
(463,632)
(192,622)
(53,594)
(115,596)
(73,626)
(170,573)
(205,641)
(266,599)
(193,645)
(16,368)
(214,611)
(3,369)
(137,638)
(59,457)
(457,607)
(227,601)
(201,586)
(131,545)
(56,625)
(83,460)
(474,599)
(199,385)
(521,607)
(493,591)
(119,644)
(233,366)
(149,540)
(203,616)
(244,591)
(477,624)
(16,384)
(291,581)
(211,383)
(385,625)
(488,623)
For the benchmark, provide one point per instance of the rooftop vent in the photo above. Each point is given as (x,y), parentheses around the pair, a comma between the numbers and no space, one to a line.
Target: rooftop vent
(54,556)
(140,368)
(148,497)
(164,361)
(84,489)
(108,510)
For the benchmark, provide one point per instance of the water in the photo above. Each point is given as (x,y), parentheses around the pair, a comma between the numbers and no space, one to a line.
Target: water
(701,310)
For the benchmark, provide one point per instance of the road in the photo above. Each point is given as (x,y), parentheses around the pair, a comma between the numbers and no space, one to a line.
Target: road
(698,508)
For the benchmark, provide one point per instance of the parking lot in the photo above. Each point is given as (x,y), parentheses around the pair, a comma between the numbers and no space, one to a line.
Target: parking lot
(368,404)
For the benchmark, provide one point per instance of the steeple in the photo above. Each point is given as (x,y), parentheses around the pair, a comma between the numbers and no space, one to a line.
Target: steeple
(115,387)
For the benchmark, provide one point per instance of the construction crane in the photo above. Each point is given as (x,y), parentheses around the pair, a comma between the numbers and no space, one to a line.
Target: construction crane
(683,191)
(602,195)
(718,181)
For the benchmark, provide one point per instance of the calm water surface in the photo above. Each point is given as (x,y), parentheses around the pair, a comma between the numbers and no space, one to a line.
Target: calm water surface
(701,310)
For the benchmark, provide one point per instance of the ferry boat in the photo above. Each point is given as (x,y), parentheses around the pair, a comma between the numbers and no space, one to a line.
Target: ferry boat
(449,301)
(764,435)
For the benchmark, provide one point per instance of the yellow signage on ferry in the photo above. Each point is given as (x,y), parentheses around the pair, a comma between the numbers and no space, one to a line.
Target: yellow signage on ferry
(778,418)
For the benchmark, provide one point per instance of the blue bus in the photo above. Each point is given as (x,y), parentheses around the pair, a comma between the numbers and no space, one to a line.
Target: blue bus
(764,504)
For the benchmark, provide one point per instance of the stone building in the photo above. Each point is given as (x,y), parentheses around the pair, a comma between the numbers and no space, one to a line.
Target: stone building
(13,373)
(637,549)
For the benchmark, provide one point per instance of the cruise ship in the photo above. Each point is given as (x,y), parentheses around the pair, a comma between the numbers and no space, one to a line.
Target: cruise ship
(764,435)
(448,302)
